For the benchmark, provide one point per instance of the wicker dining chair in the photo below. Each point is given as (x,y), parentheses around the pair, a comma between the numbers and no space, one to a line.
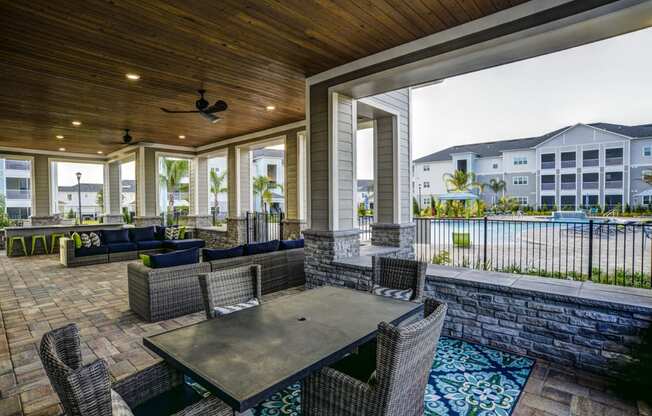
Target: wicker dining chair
(404,356)
(230,289)
(87,389)
(399,274)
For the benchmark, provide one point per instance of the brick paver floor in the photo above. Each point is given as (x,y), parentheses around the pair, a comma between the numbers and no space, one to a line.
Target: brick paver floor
(37,294)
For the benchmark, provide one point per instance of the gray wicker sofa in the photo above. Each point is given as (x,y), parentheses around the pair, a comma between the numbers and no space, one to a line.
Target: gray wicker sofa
(165,293)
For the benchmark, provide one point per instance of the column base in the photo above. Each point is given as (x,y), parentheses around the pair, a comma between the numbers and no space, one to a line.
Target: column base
(324,247)
(147,220)
(236,231)
(45,219)
(395,235)
(112,219)
(292,229)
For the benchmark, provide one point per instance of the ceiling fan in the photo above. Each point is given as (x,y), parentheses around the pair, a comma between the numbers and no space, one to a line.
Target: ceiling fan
(126,139)
(203,108)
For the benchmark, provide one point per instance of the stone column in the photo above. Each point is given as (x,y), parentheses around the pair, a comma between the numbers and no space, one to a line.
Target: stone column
(322,248)
(146,221)
(236,230)
(395,235)
(292,229)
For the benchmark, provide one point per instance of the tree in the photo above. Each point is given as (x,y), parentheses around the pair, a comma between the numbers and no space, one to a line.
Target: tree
(99,199)
(217,188)
(496,186)
(263,187)
(415,207)
(174,171)
(460,181)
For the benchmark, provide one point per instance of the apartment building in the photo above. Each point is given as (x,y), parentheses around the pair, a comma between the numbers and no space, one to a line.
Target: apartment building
(15,185)
(583,165)
(269,162)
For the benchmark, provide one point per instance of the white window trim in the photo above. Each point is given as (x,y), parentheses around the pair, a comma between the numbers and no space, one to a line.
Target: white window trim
(191,185)
(527,180)
(426,168)
(647,147)
(54,187)
(426,184)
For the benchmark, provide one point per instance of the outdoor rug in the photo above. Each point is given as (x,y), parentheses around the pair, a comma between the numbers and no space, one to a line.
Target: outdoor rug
(466,379)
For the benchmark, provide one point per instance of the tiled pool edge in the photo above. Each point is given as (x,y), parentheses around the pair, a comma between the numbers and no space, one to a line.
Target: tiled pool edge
(581,324)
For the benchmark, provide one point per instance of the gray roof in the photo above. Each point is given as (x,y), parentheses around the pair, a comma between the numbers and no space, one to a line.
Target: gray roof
(495,148)
(268,153)
(85,187)
(365,184)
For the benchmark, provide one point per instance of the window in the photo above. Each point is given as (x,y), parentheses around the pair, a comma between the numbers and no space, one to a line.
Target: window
(16,187)
(69,197)
(495,166)
(426,184)
(520,161)
(590,201)
(647,151)
(462,165)
(426,168)
(522,200)
(647,200)
(568,159)
(567,202)
(520,180)
(271,173)
(547,201)
(613,201)
(218,186)
(128,189)
(613,176)
(64,177)
(646,174)
(174,187)
(609,153)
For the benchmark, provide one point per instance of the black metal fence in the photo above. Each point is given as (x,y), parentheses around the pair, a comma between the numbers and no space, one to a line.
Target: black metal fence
(364,224)
(609,252)
(264,226)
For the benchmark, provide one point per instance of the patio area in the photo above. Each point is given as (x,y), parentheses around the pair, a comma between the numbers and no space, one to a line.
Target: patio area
(38,294)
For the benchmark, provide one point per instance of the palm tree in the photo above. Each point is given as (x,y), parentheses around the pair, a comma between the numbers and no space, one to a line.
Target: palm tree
(263,187)
(216,185)
(460,181)
(496,186)
(174,171)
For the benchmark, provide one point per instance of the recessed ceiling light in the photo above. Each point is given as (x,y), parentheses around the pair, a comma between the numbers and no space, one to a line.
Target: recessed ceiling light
(99,152)
(76,123)
(182,137)
(59,136)
(270,108)
(62,149)
(133,77)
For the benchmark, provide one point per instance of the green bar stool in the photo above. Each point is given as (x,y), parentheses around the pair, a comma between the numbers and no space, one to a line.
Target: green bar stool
(53,240)
(41,238)
(21,240)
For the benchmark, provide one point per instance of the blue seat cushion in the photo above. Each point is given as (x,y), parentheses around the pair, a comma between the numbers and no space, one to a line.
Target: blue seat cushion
(91,251)
(210,254)
(149,245)
(142,234)
(259,248)
(175,258)
(122,247)
(115,236)
(290,244)
(184,244)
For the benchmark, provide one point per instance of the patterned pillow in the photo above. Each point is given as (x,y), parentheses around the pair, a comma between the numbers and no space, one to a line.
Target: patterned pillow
(118,406)
(225,310)
(85,240)
(400,294)
(95,239)
(172,233)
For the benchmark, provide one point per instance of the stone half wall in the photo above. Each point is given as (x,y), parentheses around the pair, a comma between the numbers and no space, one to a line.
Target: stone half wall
(583,325)
(214,238)
(395,235)
(322,248)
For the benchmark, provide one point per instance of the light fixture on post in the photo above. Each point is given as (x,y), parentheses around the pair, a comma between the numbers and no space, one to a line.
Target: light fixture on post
(78,174)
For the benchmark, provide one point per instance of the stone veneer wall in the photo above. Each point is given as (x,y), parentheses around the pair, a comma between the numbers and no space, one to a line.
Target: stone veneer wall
(146,221)
(322,248)
(395,235)
(292,229)
(213,238)
(236,229)
(583,325)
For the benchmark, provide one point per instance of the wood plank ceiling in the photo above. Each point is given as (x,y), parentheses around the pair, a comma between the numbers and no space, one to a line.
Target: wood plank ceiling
(66,60)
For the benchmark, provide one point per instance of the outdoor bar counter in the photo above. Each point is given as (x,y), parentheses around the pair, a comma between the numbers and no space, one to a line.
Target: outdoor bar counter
(47,230)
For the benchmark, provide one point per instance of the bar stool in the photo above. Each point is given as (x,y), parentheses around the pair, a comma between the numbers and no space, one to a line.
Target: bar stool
(41,238)
(21,240)
(53,240)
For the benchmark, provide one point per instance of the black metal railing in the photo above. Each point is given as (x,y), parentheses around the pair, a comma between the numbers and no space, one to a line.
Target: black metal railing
(264,226)
(599,251)
(364,224)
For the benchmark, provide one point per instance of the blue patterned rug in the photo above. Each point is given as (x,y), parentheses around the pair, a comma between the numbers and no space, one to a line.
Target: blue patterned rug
(466,379)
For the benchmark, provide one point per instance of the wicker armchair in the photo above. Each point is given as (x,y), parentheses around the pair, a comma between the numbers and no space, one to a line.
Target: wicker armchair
(399,274)
(87,390)
(230,287)
(404,356)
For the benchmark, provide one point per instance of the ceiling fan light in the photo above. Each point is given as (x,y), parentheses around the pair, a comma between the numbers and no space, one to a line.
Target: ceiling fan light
(270,108)
(76,123)
(59,136)
(210,117)
(133,77)
(99,152)
(62,149)
(182,136)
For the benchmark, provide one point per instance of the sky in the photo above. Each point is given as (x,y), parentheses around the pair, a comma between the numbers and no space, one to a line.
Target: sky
(608,81)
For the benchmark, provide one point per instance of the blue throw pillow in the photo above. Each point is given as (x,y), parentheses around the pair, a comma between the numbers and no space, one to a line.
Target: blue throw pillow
(142,234)
(259,248)
(210,254)
(175,258)
(290,244)
(115,236)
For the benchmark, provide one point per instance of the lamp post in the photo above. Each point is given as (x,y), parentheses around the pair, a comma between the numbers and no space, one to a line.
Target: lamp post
(78,174)
(419,198)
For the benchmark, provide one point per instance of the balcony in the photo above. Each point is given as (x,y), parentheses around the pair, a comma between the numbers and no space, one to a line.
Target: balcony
(587,163)
(565,186)
(613,184)
(590,185)
(17,165)
(18,194)
(548,165)
(568,164)
(546,186)
(613,161)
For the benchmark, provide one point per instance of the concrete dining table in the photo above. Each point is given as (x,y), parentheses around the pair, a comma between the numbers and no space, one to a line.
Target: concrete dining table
(245,357)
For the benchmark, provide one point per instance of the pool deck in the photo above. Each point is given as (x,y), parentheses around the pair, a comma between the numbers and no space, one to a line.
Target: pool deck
(37,294)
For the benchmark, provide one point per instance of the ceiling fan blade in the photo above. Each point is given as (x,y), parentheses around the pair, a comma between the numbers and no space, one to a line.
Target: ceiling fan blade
(217,107)
(177,112)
